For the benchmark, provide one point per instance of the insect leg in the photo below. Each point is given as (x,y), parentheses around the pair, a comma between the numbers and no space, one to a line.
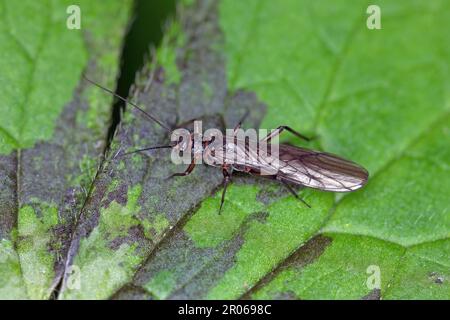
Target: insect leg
(291,190)
(186,123)
(280,129)
(226,180)
(144,149)
(238,126)
(119,154)
(186,172)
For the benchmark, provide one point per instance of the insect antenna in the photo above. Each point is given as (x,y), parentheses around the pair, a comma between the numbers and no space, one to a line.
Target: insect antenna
(149,116)
(102,160)
(145,149)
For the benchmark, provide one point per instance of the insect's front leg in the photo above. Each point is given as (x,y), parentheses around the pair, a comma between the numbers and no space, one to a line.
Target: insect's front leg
(186,172)
(186,123)
(226,179)
(280,129)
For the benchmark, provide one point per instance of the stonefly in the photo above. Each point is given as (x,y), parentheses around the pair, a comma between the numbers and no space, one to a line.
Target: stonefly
(292,165)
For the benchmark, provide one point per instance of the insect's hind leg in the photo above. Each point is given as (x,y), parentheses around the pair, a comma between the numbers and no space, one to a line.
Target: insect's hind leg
(280,129)
(292,191)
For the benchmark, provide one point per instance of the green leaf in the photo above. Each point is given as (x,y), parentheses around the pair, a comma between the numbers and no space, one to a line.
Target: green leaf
(37,80)
(52,131)
(378,97)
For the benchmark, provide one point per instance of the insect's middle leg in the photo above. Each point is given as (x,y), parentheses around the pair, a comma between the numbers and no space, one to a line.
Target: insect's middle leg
(238,126)
(280,129)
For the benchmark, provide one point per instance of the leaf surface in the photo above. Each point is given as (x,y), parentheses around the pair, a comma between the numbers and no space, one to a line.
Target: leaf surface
(52,131)
(378,97)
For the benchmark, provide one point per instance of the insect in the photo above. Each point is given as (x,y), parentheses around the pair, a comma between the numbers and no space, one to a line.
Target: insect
(293,166)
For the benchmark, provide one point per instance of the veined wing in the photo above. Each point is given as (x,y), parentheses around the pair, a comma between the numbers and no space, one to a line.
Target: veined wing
(320,170)
(243,155)
(313,169)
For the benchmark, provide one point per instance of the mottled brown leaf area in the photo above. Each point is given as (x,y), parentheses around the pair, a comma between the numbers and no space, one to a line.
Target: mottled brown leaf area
(44,187)
(47,175)
(308,253)
(172,200)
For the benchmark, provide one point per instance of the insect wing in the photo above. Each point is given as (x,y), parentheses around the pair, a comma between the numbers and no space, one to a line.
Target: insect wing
(244,155)
(320,170)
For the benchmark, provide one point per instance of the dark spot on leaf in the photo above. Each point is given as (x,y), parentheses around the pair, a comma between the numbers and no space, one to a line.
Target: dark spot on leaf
(439,280)
(270,192)
(131,292)
(135,235)
(261,216)
(119,195)
(288,295)
(211,274)
(436,278)
(305,255)
(375,294)
(309,252)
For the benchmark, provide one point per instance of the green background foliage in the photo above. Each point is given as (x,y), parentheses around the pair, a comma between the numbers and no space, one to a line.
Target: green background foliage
(32,65)
(378,97)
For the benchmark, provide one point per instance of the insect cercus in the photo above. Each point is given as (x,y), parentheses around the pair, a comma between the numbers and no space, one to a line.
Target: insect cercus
(291,165)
